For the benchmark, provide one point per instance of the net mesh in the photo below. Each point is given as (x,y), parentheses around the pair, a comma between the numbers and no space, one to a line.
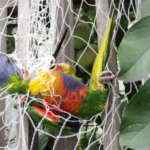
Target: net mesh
(30,32)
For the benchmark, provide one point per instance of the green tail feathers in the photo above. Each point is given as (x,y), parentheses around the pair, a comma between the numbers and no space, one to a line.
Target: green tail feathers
(102,56)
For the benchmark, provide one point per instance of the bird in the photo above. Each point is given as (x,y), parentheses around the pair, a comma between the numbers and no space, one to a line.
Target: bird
(63,92)
(58,90)
(8,67)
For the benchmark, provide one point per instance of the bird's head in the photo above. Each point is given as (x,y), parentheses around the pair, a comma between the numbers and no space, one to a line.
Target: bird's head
(8,67)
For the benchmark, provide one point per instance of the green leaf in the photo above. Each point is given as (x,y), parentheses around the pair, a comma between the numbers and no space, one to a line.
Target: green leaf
(43,140)
(145,11)
(135,126)
(89,136)
(134,52)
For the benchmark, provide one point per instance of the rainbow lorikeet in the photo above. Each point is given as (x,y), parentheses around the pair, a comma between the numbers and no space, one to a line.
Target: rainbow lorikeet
(64,93)
(61,92)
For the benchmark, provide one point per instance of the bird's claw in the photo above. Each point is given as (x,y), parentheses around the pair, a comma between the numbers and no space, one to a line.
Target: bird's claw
(106,76)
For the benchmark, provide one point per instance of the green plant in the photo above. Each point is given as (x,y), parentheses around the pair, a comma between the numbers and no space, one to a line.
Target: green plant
(134,54)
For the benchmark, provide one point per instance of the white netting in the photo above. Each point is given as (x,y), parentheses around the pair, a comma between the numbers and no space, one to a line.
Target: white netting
(31,30)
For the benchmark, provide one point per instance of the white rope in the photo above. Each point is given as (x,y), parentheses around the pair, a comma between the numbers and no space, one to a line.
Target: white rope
(44,35)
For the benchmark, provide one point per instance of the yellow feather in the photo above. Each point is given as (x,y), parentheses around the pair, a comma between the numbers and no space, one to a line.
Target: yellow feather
(101,57)
(67,69)
(45,83)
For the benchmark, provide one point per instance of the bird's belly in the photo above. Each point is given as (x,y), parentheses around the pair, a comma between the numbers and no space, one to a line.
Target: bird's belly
(68,101)
(72,101)
(68,94)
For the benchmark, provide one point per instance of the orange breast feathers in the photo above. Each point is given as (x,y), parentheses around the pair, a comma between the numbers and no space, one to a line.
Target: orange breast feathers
(59,89)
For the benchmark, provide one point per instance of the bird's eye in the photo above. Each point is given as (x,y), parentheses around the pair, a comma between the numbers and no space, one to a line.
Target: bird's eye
(8,60)
(52,67)
(52,64)
(11,60)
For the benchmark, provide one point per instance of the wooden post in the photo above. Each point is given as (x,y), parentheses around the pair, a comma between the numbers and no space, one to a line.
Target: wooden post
(102,12)
(68,51)
(112,113)
(65,20)
(69,46)
(3,26)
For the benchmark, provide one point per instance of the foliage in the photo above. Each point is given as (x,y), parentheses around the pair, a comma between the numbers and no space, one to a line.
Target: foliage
(81,33)
(10,38)
(88,137)
(137,51)
(135,128)
(89,53)
(88,37)
(145,8)
(43,140)
(134,54)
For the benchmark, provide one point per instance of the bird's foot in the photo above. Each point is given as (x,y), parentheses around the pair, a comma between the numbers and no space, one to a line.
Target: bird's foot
(106,76)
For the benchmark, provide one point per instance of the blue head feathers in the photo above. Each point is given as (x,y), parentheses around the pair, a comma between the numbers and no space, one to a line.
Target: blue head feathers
(8,68)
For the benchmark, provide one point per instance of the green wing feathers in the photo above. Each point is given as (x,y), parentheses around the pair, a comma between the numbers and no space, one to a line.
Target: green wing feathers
(16,85)
(93,104)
